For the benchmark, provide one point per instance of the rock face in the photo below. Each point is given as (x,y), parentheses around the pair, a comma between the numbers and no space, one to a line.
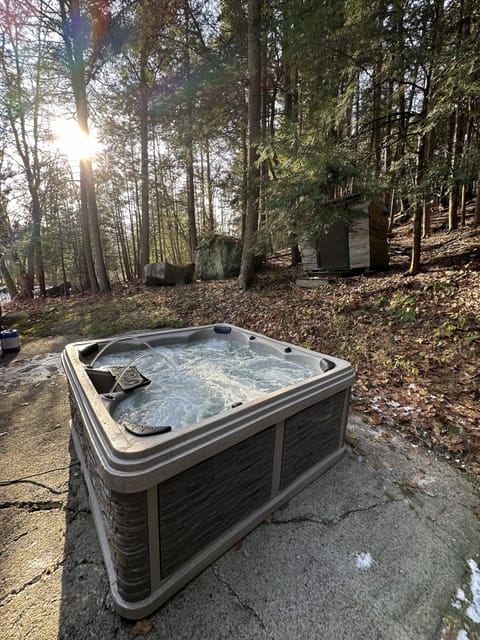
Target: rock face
(14,318)
(164,273)
(58,290)
(218,257)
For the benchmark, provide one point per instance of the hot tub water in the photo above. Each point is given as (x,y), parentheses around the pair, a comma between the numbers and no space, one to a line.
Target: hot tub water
(195,381)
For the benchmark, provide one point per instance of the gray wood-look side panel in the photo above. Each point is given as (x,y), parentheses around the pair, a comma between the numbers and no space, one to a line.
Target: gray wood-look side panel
(310,436)
(125,521)
(199,504)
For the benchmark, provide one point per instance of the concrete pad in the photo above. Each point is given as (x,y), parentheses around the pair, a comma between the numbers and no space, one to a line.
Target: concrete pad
(374,549)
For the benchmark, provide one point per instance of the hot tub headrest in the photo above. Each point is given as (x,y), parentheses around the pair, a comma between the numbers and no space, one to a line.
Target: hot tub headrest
(326,365)
(88,349)
(144,430)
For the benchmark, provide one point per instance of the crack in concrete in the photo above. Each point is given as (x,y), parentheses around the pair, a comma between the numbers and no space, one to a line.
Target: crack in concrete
(9,483)
(14,540)
(43,505)
(25,533)
(244,605)
(332,521)
(46,572)
(4,483)
(87,563)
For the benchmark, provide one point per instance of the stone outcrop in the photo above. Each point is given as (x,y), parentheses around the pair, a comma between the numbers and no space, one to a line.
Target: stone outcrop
(218,257)
(166,274)
(58,290)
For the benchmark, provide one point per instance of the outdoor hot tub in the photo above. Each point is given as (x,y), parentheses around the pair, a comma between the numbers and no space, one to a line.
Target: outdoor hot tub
(189,438)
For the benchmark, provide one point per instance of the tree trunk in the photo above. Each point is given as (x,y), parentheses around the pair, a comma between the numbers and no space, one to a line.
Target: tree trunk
(247,271)
(145,205)
(159,208)
(463,32)
(211,214)
(463,204)
(476,220)
(376,137)
(34,250)
(74,44)
(421,159)
(87,171)
(244,194)
(7,277)
(427,217)
(457,147)
(192,224)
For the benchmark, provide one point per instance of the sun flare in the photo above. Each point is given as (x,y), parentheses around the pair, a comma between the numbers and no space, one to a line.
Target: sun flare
(72,141)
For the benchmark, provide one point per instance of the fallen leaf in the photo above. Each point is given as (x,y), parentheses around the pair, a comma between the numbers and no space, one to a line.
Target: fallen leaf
(141,628)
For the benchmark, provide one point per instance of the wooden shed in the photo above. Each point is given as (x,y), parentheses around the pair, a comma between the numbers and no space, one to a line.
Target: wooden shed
(359,244)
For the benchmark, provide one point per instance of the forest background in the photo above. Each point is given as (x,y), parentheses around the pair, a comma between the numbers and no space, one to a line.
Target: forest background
(235,117)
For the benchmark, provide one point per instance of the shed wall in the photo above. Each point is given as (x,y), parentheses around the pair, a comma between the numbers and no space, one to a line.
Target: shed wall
(359,243)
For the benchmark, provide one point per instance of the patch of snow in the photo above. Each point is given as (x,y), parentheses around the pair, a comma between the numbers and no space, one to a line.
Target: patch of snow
(38,369)
(473,611)
(462,635)
(363,560)
(394,404)
(460,597)
(407,409)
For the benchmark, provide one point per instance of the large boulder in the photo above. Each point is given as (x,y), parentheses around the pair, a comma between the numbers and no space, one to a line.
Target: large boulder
(164,273)
(218,257)
(58,290)
(14,318)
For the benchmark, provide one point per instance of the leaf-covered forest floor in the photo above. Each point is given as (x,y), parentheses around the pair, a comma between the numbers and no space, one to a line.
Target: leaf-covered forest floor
(414,342)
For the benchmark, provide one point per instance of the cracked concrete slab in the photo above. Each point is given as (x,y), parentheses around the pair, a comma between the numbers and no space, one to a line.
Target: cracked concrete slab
(376,548)
(32,546)
(300,575)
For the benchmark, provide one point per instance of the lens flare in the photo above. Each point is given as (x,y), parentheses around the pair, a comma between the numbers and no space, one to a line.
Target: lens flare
(72,141)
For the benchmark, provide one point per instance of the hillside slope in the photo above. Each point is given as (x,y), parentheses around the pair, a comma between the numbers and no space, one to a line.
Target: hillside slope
(413,341)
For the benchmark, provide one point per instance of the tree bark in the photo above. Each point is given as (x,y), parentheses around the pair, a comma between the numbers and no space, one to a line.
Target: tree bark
(145,205)
(419,206)
(477,205)
(247,270)
(192,224)
(7,277)
(244,193)
(75,45)
(211,214)
(457,147)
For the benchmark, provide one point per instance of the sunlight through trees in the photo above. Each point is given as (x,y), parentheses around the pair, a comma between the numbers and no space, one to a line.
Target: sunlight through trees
(192,138)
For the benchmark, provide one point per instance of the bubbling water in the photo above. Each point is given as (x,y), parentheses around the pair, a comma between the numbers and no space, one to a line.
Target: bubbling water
(201,379)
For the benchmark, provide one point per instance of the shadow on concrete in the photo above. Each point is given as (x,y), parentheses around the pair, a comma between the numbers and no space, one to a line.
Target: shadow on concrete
(86,607)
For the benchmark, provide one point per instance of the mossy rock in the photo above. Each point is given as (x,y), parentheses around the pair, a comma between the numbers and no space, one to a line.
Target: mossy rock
(218,257)
(167,274)
(14,318)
